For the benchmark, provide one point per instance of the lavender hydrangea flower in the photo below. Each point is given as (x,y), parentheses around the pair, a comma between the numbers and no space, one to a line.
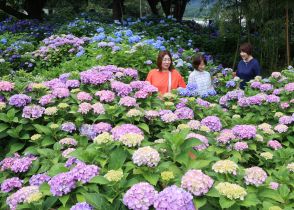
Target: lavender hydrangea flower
(123,129)
(274,185)
(174,198)
(61,92)
(289,87)
(196,182)
(225,136)
(151,114)
(121,88)
(84,108)
(274,144)
(140,196)
(6,86)
(169,117)
(68,127)
(84,96)
(127,101)
(22,195)
(212,122)
(19,100)
(46,99)
(38,179)
(146,156)
(240,146)
(286,120)
(84,173)
(10,184)
(102,127)
(184,113)
(255,176)
(105,95)
(273,99)
(82,206)
(33,111)
(62,184)
(72,83)
(88,130)
(244,131)
(17,164)
(202,102)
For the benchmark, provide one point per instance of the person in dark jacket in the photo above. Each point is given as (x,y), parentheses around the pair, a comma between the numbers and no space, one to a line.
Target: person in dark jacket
(248,67)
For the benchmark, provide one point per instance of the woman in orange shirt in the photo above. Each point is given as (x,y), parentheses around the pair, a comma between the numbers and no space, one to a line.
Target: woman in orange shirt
(165,78)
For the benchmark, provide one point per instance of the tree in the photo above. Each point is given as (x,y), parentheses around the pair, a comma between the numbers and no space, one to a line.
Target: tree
(33,8)
(117,9)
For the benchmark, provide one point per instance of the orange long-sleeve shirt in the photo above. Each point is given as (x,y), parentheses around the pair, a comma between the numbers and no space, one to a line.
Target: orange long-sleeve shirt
(159,79)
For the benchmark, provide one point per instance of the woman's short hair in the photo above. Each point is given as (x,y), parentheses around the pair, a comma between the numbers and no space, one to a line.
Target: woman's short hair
(160,58)
(246,47)
(196,61)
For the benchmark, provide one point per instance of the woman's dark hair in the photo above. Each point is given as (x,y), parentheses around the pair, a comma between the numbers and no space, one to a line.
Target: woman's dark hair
(160,58)
(196,61)
(246,47)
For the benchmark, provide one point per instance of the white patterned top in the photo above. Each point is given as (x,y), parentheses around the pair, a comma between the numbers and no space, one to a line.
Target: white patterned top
(203,81)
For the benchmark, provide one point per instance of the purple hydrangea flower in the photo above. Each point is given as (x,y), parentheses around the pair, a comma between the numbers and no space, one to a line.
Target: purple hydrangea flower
(196,182)
(274,144)
(174,198)
(62,184)
(10,184)
(184,113)
(140,196)
(84,173)
(202,138)
(212,122)
(82,206)
(21,196)
(240,146)
(225,136)
(123,129)
(102,127)
(128,101)
(244,131)
(255,176)
(19,100)
(33,111)
(38,179)
(105,95)
(68,127)
(61,92)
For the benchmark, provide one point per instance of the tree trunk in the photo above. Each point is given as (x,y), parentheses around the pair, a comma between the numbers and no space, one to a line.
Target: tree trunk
(11,11)
(180,7)
(287,34)
(117,8)
(166,6)
(34,8)
(153,4)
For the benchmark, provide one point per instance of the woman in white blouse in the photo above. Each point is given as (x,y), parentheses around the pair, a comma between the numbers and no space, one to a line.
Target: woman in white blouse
(199,76)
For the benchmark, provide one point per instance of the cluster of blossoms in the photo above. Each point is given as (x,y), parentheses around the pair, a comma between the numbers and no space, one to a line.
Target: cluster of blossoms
(265,127)
(114,175)
(123,129)
(84,108)
(38,179)
(252,100)
(231,95)
(68,141)
(24,195)
(196,182)
(84,96)
(33,111)
(274,185)
(212,122)
(255,176)
(194,124)
(266,155)
(105,95)
(169,117)
(244,131)
(289,87)
(225,167)
(68,127)
(19,100)
(131,139)
(184,113)
(151,114)
(290,167)
(6,86)
(128,101)
(281,128)
(146,156)
(17,164)
(66,153)
(274,144)
(240,146)
(134,113)
(225,136)
(53,43)
(103,138)
(231,191)
(10,184)
(174,198)
(64,183)
(121,88)
(202,138)
(286,120)
(98,108)
(140,196)
(167,175)
(82,206)
(51,110)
